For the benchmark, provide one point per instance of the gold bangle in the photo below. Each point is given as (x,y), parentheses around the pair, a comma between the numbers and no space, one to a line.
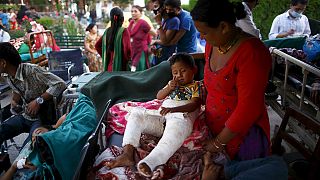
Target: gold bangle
(218,141)
(214,143)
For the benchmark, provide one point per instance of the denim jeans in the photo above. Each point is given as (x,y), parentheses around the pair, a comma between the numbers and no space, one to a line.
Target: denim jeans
(16,125)
(271,167)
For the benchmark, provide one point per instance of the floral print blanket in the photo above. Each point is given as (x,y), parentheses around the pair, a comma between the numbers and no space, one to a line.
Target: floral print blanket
(186,163)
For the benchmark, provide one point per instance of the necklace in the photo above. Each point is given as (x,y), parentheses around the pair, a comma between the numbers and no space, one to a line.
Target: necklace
(231,43)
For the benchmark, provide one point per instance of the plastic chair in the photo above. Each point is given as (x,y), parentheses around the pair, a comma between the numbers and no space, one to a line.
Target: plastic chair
(67,64)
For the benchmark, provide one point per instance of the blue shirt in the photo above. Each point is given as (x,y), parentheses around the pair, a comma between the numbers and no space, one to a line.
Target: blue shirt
(166,51)
(5,19)
(188,41)
(170,24)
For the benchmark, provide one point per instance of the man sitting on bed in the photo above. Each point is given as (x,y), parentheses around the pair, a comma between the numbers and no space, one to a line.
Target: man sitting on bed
(33,91)
(178,113)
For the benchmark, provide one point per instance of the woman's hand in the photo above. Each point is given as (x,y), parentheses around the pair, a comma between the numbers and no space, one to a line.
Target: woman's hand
(212,146)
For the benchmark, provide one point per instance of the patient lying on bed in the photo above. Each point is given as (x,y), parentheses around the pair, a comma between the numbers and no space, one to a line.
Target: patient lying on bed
(174,120)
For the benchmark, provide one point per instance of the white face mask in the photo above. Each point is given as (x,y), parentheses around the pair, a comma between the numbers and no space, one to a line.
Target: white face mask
(295,14)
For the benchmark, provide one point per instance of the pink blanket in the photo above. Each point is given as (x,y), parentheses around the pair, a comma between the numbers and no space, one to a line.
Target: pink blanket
(186,163)
(117,123)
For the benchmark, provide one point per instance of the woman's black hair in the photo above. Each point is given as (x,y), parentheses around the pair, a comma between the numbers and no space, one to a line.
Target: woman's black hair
(138,7)
(183,57)
(9,53)
(173,3)
(90,26)
(213,12)
(117,18)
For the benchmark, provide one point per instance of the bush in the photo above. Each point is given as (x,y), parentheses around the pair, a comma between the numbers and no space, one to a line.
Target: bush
(46,21)
(16,33)
(7,6)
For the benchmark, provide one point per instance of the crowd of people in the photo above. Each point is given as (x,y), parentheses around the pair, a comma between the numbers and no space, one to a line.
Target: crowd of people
(236,73)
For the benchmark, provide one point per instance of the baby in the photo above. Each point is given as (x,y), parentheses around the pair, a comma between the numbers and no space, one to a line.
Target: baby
(179,111)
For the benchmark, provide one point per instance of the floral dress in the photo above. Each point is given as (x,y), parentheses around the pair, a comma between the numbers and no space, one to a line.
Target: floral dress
(94,60)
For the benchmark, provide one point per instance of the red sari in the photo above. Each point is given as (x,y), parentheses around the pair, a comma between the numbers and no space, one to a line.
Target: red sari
(236,92)
(139,34)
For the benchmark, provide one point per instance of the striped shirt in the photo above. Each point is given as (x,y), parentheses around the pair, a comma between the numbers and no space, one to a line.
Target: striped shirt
(31,81)
(284,22)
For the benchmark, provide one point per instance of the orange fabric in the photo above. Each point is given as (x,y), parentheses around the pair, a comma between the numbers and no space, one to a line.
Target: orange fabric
(236,92)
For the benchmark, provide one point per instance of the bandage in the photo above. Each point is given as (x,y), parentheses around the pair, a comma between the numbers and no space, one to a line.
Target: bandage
(21,163)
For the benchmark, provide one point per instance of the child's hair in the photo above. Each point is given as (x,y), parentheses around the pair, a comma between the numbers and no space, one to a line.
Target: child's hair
(184,58)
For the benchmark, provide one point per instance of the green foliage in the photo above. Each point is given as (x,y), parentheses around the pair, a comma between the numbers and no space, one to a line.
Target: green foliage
(46,21)
(7,6)
(267,10)
(123,3)
(16,33)
(189,7)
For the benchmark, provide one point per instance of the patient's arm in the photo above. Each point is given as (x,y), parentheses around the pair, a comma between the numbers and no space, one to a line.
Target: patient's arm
(164,92)
(10,172)
(60,121)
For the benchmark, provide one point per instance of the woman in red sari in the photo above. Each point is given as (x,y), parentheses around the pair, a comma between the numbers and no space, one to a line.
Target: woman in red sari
(235,77)
(114,46)
(140,39)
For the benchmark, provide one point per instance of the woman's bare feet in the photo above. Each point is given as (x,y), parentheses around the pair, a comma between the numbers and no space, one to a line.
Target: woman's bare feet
(211,170)
(144,169)
(125,159)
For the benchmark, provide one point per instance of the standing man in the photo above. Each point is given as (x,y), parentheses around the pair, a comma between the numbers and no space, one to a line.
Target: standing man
(291,23)
(33,87)
(33,14)
(185,38)
(247,24)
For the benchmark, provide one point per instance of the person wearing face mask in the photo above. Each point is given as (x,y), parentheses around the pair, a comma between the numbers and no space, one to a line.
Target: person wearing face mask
(186,37)
(169,26)
(291,23)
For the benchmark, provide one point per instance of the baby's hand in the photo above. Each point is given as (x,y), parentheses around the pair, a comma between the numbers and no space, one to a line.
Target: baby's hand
(173,84)
(165,111)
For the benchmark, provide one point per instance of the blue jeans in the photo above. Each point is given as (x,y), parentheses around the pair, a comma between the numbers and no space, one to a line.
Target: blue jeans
(271,167)
(17,125)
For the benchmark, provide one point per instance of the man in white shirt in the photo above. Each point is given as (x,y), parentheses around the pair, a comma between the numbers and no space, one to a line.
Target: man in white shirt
(247,24)
(291,23)
(4,35)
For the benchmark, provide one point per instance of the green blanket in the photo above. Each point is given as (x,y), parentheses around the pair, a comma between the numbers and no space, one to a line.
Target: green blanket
(67,141)
(124,86)
(296,43)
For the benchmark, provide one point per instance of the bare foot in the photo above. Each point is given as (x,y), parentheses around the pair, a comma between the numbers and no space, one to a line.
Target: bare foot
(211,170)
(145,170)
(125,159)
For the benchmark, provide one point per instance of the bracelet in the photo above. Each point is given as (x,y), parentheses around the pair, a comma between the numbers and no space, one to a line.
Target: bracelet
(218,141)
(214,143)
